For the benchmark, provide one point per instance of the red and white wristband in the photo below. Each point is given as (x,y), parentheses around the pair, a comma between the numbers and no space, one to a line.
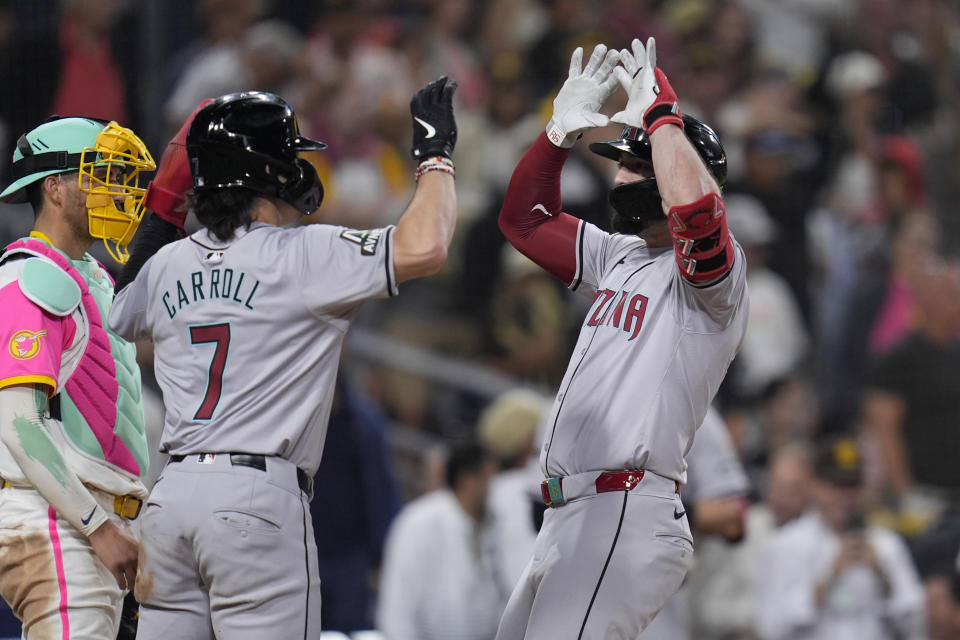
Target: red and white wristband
(435,163)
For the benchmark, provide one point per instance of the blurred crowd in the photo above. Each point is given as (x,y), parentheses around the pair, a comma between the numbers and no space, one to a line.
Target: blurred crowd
(841,121)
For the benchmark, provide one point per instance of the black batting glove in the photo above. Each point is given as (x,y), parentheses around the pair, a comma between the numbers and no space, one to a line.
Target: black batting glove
(434,128)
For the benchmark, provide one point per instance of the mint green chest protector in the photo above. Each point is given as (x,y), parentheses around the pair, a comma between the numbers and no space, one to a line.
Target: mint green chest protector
(101,405)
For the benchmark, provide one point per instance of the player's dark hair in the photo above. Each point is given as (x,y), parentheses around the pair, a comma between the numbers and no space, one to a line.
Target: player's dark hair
(224,210)
(34,192)
(465,458)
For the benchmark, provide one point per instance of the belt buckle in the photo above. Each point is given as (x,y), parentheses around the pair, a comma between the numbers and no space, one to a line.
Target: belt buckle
(551,490)
(127,506)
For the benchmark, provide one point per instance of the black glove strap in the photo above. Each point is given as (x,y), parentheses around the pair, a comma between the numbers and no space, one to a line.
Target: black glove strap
(58,160)
(660,111)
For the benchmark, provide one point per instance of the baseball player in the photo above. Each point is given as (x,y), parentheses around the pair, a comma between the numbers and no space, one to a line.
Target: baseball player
(668,313)
(248,319)
(71,419)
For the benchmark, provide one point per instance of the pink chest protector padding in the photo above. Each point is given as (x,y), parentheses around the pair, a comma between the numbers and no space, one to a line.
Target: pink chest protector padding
(93,387)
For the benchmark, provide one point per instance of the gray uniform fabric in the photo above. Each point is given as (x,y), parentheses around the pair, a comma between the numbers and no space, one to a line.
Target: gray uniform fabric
(247,338)
(652,352)
(610,395)
(288,296)
(613,587)
(228,552)
(714,472)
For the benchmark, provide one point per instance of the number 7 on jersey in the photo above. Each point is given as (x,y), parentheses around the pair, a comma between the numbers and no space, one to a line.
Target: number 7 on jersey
(218,334)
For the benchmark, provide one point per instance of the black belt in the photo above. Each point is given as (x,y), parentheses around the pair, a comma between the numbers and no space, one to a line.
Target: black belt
(258,461)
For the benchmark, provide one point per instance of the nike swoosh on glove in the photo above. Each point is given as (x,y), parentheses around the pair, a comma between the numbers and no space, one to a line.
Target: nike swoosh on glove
(434,127)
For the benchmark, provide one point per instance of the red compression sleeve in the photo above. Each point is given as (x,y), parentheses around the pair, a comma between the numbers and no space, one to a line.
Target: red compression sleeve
(531,218)
(166,193)
(701,240)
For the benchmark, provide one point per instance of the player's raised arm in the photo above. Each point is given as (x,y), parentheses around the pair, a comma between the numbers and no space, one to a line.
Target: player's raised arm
(690,194)
(531,218)
(425,230)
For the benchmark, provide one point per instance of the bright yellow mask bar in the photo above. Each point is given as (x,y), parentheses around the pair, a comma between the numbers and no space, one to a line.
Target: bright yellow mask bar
(110,176)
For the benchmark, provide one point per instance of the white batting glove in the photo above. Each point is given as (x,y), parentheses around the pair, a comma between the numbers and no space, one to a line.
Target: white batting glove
(577,105)
(651,102)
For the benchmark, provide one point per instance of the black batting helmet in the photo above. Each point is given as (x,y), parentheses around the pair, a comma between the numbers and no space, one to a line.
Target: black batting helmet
(637,203)
(251,140)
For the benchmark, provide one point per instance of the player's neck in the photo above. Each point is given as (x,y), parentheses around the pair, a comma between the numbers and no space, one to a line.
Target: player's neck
(55,230)
(264,211)
(657,234)
(273,211)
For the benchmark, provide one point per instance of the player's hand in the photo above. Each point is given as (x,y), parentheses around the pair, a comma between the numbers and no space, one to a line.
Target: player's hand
(577,106)
(434,127)
(651,102)
(118,551)
(167,193)
(854,550)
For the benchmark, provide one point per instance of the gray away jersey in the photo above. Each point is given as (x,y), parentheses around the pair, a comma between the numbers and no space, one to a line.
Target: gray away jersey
(652,352)
(247,333)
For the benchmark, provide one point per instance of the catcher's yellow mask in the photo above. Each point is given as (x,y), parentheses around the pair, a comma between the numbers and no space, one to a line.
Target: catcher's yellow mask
(110,176)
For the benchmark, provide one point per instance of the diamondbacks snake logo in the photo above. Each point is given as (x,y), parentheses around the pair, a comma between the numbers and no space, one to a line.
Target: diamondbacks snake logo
(26,344)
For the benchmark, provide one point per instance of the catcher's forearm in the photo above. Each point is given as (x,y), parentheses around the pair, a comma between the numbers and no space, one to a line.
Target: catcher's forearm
(26,437)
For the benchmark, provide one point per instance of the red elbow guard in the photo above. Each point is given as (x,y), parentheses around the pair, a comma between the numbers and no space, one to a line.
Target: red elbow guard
(701,240)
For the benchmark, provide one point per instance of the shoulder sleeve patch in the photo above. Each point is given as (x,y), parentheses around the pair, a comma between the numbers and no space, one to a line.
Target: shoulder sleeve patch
(366,240)
(49,287)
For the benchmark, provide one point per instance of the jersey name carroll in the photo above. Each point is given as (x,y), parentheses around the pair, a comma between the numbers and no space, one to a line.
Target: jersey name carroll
(233,323)
(218,284)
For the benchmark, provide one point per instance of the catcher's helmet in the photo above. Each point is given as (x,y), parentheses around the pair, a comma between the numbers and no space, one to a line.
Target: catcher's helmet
(95,150)
(639,202)
(251,140)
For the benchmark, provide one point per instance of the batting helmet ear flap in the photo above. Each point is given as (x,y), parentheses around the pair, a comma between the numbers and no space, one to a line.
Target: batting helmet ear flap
(306,192)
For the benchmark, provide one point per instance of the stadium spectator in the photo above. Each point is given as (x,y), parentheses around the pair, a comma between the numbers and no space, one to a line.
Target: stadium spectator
(354,508)
(722,590)
(776,342)
(914,396)
(509,428)
(829,575)
(438,579)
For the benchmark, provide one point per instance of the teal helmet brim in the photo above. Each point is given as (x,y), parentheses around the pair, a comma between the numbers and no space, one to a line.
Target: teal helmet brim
(16,193)
(66,136)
